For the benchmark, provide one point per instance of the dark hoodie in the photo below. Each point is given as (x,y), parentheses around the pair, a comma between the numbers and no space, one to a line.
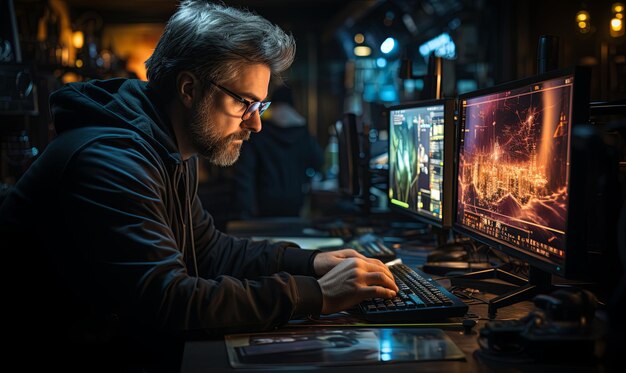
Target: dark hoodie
(115,244)
(270,176)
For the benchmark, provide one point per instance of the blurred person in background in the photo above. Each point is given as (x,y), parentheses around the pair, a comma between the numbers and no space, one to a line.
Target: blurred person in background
(273,174)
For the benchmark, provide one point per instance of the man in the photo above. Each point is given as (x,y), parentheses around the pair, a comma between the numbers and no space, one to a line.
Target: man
(117,258)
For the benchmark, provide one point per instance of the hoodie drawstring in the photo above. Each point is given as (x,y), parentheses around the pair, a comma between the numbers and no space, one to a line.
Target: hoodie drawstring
(185,216)
(179,208)
(190,217)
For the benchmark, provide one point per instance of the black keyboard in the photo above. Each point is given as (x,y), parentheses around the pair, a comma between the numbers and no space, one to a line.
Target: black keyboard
(420,298)
(372,246)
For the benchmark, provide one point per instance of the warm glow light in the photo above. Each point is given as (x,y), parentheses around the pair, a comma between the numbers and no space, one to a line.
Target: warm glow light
(359,38)
(617,28)
(616,24)
(70,77)
(131,42)
(582,25)
(362,51)
(79,63)
(618,7)
(619,16)
(582,16)
(78,39)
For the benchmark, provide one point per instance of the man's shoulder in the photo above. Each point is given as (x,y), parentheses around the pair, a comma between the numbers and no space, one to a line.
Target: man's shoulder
(79,138)
(103,142)
(86,134)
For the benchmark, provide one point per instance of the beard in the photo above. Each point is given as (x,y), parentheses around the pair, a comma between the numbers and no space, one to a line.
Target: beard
(207,139)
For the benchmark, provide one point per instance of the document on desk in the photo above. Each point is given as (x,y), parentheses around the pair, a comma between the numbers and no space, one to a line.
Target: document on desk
(339,346)
(307,243)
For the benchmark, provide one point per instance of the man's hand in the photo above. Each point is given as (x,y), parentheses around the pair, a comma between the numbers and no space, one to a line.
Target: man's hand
(326,261)
(353,280)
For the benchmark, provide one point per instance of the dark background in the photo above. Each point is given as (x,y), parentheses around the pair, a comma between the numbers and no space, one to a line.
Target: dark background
(496,41)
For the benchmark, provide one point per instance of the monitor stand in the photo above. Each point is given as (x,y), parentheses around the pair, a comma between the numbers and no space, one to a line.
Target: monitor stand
(441,235)
(445,240)
(515,289)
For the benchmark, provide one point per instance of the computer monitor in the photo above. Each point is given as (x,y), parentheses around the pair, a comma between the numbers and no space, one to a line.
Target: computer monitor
(519,185)
(421,156)
(348,155)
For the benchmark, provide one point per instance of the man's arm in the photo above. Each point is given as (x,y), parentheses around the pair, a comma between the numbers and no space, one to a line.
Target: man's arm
(219,253)
(115,201)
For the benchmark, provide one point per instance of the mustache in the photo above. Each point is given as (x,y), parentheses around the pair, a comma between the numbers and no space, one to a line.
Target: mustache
(243,135)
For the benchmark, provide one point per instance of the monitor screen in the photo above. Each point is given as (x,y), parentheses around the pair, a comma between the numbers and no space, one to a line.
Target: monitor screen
(421,149)
(513,168)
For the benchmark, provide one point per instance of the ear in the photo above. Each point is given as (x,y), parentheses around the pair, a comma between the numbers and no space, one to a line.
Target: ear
(186,88)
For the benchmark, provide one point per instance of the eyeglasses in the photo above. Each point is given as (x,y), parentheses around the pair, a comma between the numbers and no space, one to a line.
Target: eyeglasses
(251,106)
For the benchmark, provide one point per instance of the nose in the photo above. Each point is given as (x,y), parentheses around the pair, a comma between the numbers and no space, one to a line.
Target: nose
(253,124)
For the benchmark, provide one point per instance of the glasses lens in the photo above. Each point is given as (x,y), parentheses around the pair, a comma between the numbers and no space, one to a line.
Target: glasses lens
(260,106)
(264,106)
(254,106)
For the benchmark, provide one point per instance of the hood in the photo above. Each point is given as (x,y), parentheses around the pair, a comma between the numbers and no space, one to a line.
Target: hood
(124,103)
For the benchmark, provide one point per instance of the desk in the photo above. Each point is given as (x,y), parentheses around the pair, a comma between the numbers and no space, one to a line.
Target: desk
(211,356)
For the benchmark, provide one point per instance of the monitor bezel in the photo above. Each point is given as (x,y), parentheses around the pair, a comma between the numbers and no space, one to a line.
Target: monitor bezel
(449,107)
(350,132)
(575,242)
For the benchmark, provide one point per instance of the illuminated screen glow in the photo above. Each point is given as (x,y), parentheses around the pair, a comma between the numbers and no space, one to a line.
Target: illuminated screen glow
(416,153)
(513,167)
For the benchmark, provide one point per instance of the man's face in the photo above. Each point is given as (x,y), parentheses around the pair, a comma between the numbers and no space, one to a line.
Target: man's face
(215,126)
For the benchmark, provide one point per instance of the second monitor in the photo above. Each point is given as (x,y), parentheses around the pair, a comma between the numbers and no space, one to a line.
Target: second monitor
(421,156)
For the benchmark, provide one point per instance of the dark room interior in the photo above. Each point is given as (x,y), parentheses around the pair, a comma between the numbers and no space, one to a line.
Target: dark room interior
(480,143)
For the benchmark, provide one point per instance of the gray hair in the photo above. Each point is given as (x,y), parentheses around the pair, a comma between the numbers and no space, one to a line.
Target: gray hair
(214,42)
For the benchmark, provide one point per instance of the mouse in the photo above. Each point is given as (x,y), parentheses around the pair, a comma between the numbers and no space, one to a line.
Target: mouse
(450,254)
